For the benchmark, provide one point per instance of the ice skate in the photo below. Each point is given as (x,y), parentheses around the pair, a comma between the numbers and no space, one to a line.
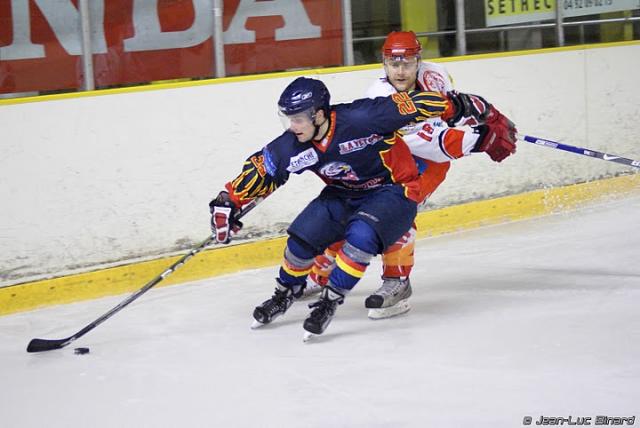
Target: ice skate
(323,311)
(391,299)
(277,305)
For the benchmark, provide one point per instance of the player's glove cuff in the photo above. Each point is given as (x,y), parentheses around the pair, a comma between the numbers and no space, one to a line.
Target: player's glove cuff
(223,222)
(471,110)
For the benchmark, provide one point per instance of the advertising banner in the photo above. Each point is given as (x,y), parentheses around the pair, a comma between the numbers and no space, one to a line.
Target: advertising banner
(138,41)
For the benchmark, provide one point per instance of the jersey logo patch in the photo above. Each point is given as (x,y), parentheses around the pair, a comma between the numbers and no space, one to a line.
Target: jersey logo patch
(339,171)
(358,144)
(433,81)
(302,160)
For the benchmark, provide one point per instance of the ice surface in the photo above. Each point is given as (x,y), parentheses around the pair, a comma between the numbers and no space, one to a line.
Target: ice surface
(540,317)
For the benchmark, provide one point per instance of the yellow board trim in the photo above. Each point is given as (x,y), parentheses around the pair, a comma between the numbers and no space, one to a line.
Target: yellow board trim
(228,259)
(328,70)
(123,279)
(522,206)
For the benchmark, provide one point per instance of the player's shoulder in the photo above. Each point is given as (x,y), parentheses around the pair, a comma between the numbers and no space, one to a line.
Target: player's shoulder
(284,142)
(433,66)
(434,77)
(358,110)
(286,153)
(282,147)
(380,87)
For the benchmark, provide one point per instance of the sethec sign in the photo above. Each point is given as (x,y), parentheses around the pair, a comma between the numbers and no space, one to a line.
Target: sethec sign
(505,12)
(145,40)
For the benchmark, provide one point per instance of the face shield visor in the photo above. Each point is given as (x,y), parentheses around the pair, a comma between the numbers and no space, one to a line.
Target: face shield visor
(407,63)
(298,121)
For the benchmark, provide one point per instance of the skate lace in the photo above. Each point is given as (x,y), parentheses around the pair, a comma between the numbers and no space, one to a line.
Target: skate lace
(280,295)
(278,299)
(390,287)
(322,306)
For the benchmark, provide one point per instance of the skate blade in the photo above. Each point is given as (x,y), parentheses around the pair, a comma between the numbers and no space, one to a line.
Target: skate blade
(307,336)
(256,324)
(398,309)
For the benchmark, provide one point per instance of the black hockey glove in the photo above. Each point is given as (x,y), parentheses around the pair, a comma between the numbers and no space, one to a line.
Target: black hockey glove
(223,222)
(471,110)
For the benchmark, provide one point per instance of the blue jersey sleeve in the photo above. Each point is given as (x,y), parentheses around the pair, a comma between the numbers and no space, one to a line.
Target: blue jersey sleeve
(262,173)
(384,115)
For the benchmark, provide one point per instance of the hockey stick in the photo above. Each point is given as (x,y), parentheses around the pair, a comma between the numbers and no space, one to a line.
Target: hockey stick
(39,345)
(580,150)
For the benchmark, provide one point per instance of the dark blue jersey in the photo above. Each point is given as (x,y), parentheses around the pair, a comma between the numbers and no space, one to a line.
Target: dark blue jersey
(360,152)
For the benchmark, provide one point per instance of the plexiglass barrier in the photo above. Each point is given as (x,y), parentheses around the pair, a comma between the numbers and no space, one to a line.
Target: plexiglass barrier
(69,45)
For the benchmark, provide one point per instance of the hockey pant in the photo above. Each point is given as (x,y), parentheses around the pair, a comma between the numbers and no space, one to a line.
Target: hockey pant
(369,225)
(398,259)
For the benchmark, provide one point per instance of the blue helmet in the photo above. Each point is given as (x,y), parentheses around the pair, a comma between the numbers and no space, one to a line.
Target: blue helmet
(304,94)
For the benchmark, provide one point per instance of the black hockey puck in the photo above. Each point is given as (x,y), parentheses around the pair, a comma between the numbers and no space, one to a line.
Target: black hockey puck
(81,351)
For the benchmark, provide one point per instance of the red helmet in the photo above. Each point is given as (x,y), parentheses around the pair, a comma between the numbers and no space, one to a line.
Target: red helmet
(401,43)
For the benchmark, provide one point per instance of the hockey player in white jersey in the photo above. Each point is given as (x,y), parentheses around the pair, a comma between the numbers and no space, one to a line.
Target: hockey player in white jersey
(433,143)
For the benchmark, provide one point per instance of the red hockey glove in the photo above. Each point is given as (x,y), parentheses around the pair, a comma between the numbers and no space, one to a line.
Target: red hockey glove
(223,222)
(497,137)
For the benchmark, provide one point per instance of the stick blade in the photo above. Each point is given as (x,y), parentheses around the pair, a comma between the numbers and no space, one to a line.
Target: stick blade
(40,345)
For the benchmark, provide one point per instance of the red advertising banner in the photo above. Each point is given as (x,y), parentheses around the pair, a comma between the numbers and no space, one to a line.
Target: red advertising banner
(138,41)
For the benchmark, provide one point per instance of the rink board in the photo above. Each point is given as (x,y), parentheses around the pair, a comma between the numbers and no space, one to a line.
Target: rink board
(139,165)
(233,258)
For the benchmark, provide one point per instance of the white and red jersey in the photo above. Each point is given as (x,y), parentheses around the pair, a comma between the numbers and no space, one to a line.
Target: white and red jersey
(432,142)
(433,139)
(431,77)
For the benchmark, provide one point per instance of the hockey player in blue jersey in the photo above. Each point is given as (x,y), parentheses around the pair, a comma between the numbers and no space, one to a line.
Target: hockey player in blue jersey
(372,188)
